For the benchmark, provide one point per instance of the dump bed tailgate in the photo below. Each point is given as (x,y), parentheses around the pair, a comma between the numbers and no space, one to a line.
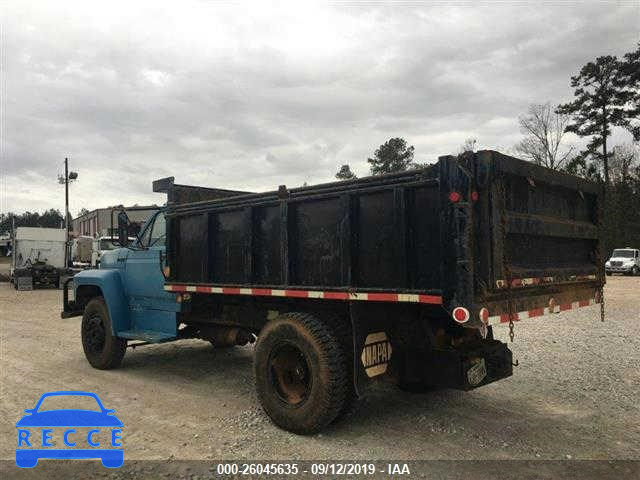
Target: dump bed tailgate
(542,230)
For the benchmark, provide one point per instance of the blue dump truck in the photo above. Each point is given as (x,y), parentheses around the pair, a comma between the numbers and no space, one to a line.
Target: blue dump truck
(399,277)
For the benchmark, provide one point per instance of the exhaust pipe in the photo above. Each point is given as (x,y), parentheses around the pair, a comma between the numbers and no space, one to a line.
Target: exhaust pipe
(230,336)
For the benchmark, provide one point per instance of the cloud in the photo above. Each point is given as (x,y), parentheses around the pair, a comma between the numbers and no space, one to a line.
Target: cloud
(251,97)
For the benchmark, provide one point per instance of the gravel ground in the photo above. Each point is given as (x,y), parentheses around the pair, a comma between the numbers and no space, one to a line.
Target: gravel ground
(574,395)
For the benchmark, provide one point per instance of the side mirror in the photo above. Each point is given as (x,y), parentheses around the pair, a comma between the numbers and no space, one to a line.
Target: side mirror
(123,228)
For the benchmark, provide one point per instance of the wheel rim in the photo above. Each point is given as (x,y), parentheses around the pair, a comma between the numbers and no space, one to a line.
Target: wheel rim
(290,374)
(94,334)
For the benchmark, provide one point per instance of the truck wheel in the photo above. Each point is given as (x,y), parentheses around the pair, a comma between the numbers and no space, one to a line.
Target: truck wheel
(300,373)
(634,271)
(102,349)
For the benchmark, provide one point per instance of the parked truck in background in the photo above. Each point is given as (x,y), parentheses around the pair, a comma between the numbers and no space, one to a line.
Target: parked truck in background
(624,260)
(38,257)
(103,244)
(399,277)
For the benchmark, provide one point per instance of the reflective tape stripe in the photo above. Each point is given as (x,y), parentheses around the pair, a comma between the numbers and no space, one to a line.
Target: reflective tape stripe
(523,282)
(314,294)
(538,312)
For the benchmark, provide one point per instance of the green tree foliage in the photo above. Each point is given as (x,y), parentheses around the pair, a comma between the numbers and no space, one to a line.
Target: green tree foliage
(630,79)
(51,218)
(601,101)
(621,220)
(393,156)
(607,95)
(345,173)
(622,202)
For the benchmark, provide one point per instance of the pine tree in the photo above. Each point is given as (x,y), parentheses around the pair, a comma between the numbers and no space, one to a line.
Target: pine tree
(600,103)
(345,173)
(392,156)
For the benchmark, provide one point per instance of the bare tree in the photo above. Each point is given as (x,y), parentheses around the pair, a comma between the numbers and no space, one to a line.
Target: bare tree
(544,130)
(469,145)
(624,159)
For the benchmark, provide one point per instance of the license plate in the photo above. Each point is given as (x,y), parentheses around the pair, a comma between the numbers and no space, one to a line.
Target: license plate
(477,372)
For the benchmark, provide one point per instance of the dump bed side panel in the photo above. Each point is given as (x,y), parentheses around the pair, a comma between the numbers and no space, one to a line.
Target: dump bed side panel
(380,234)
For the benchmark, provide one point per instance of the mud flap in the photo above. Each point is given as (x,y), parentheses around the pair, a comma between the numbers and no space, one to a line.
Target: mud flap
(462,368)
(388,346)
(376,341)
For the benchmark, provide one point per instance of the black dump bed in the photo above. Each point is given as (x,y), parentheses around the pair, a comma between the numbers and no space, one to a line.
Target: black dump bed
(480,231)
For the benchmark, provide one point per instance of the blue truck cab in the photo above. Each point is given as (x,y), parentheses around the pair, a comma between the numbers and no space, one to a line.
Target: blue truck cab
(124,299)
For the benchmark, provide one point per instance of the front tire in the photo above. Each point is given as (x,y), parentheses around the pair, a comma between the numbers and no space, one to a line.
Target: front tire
(634,272)
(103,350)
(301,373)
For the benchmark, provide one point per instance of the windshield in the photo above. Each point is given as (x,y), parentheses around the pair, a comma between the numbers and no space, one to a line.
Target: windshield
(623,253)
(107,245)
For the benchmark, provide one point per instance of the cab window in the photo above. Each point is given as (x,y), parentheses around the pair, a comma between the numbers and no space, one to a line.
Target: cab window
(158,231)
(144,239)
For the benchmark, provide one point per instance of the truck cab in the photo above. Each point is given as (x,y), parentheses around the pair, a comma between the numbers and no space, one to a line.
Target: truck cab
(624,260)
(127,293)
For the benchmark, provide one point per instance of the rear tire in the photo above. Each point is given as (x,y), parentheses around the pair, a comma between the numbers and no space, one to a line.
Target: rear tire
(103,350)
(300,373)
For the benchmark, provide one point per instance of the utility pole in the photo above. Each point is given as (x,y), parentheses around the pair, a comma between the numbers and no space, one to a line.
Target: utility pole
(66,198)
(68,177)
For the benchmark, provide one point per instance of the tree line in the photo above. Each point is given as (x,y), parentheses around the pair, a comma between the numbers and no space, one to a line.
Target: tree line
(51,218)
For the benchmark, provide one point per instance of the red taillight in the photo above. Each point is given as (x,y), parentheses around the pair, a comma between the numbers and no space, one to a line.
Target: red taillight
(484,315)
(454,197)
(460,314)
(474,196)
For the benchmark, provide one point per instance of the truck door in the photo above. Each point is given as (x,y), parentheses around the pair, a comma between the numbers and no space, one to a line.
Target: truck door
(152,309)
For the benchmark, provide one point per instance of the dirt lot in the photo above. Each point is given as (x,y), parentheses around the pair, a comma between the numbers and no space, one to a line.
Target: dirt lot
(574,395)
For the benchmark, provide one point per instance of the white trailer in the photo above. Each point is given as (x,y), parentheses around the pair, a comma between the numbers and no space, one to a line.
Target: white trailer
(38,257)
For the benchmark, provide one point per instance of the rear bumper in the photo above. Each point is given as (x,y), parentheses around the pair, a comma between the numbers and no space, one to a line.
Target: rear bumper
(484,362)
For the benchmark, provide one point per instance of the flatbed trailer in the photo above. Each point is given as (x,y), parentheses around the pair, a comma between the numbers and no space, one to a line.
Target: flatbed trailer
(397,277)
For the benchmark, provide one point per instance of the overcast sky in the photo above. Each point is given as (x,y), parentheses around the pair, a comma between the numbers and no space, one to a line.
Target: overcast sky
(251,97)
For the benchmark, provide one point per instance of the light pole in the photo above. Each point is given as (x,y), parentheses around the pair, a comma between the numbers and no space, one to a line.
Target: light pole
(68,177)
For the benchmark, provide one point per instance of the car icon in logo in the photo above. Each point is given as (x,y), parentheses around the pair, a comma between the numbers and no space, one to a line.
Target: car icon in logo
(30,439)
